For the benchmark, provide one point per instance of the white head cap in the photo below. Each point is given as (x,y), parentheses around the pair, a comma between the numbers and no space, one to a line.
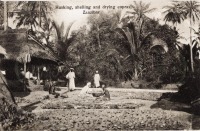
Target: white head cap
(89,83)
(44,68)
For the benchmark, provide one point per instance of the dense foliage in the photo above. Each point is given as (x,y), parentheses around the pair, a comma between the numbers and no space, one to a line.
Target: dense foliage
(103,48)
(118,55)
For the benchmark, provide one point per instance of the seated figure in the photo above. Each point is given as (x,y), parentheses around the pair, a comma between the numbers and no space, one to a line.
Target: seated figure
(85,89)
(105,95)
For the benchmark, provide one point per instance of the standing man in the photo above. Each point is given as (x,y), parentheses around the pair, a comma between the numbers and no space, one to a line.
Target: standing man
(71,77)
(97,79)
(45,78)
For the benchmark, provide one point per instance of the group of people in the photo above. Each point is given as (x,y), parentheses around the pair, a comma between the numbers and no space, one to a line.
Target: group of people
(49,84)
(71,77)
(86,89)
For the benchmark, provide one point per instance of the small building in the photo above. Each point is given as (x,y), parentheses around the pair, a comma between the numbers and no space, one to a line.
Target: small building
(25,53)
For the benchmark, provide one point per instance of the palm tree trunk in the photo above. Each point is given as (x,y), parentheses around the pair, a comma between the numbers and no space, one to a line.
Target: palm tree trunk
(98,37)
(40,13)
(191,52)
(135,71)
(152,62)
(5,16)
(191,57)
(136,74)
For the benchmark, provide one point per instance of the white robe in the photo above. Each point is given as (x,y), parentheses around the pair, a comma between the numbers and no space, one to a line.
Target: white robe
(97,80)
(85,89)
(28,75)
(71,76)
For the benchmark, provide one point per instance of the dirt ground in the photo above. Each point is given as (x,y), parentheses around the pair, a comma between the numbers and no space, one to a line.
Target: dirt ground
(127,110)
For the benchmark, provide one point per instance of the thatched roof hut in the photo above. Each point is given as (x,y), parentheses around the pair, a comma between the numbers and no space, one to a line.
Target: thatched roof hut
(18,45)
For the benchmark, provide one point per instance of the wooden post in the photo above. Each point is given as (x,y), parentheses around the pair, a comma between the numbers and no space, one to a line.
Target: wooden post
(24,68)
(24,75)
(38,80)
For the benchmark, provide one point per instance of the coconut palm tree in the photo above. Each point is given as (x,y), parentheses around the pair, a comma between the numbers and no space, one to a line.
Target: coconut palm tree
(174,13)
(181,11)
(131,27)
(98,23)
(32,12)
(192,11)
(64,39)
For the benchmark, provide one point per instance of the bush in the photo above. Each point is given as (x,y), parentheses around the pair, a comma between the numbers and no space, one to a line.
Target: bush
(12,116)
(190,89)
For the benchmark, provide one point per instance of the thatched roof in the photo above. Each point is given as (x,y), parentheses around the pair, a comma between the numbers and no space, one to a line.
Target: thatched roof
(17,45)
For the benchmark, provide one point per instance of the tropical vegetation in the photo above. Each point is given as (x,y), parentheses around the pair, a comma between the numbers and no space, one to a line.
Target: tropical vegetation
(128,47)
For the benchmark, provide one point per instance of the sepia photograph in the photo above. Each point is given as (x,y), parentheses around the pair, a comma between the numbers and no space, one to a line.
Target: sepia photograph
(99,65)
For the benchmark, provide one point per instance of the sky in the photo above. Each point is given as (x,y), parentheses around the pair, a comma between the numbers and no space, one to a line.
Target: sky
(68,15)
(80,18)
(75,14)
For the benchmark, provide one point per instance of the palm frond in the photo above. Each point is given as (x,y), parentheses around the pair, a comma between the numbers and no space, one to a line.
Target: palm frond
(68,31)
(159,42)
(57,28)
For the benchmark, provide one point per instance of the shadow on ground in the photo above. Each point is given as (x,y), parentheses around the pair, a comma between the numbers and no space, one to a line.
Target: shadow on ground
(173,101)
(31,107)
(21,94)
(195,122)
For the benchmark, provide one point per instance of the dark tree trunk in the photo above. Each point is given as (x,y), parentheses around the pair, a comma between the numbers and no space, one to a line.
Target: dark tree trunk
(5,91)
(5,16)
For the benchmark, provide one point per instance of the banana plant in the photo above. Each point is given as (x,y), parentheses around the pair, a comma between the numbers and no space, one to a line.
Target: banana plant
(180,11)
(131,28)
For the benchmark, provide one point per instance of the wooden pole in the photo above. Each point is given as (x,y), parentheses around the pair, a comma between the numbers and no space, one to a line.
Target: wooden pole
(38,82)
(25,76)
(24,68)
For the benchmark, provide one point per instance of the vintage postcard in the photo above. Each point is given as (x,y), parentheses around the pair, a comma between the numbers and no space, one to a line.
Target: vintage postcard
(99,65)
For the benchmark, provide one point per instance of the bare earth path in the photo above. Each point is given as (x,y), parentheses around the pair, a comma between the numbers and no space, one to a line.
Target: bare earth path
(128,109)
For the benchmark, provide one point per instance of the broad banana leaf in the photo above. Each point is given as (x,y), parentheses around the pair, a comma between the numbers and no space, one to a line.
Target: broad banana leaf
(128,35)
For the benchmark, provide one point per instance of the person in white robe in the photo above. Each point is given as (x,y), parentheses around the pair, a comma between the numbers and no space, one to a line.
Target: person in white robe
(71,77)
(85,90)
(97,79)
(28,75)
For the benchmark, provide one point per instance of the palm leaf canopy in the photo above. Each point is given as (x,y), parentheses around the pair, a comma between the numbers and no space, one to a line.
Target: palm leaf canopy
(140,9)
(159,45)
(192,9)
(174,13)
